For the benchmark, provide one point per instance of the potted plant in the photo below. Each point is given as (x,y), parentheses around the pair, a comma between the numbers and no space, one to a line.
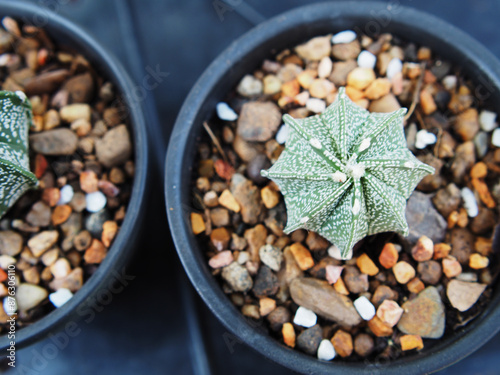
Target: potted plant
(88,151)
(287,39)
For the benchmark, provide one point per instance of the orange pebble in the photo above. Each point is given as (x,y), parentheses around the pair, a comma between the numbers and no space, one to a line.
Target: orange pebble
(366,265)
(389,256)
(409,342)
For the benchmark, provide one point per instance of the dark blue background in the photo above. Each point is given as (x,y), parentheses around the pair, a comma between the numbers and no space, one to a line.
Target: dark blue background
(158,325)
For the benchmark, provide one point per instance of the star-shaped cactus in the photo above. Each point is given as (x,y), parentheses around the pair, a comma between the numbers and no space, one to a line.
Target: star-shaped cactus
(347,173)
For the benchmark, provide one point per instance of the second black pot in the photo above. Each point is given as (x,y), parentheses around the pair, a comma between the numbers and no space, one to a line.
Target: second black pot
(244,56)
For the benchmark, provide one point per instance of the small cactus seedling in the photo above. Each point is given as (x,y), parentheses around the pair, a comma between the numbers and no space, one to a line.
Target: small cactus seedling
(15,175)
(347,173)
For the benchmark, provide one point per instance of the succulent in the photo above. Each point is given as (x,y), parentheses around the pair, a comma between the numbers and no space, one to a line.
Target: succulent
(15,175)
(347,173)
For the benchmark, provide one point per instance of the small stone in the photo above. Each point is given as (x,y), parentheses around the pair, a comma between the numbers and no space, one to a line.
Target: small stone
(333,273)
(61,268)
(484,194)
(360,78)
(249,86)
(403,272)
(81,127)
(342,342)
(282,134)
(315,49)
(60,297)
(483,222)
(89,181)
(424,219)
(225,112)
(410,342)
(73,281)
(321,88)
(427,102)
(487,120)
(288,335)
(29,296)
(467,124)
(430,272)
(355,281)
(271,256)
(258,121)
(66,194)
(220,238)
(415,285)
(227,200)
(478,262)
(219,217)
(43,241)
(470,202)
(378,88)
(363,344)
(248,197)
(424,138)
(72,112)
(51,196)
(326,351)
(389,312)
(256,238)
(82,240)
(367,59)
(382,293)
(483,246)
(463,295)
(114,148)
(479,170)
(385,104)
(451,267)
(346,36)
(278,317)
(315,242)
(305,317)
(94,222)
(465,158)
(450,82)
(424,315)
(237,277)
(315,105)
(346,51)
(340,287)
(255,166)
(462,243)
(96,253)
(379,328)
(309,339)
(423,250)
(266,306)
(11,243)
(61,214)
(289,72)
(272,85)
(95,202)
(395,66)
(39,215)
(318,296)
(366,265)
(325,67)
(222,259)
(197,223)
(340,71)
(447,199)
(389,256)
(302,256)
(270,197)
(364,308)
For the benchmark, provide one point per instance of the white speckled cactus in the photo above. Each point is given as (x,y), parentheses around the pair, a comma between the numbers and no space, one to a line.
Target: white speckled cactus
(347,173)
(15,175)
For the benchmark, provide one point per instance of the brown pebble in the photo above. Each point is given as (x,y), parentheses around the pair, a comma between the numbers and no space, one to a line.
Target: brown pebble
(342,342)
(363,344)
(430,271)
(366,265)
(483,246)
(266,306)
(382,293)
(82,240)
(477,261)
(220,238)
(227,200)
(410,342)
(288,335)
(423,250)
(89,181)
(441,250)
(403,272)
(61,214)
(379,328)
(197,223)
(451,267)
(109,230)
(389,256)
(222,259)
(302,256)
(415,285)
(51,196)
(96,253)
(270,197)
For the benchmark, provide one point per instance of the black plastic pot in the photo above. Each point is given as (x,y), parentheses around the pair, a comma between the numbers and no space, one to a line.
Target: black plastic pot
(65,33)
(244,56)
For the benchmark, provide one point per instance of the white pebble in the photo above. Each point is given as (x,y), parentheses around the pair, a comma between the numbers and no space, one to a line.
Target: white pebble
(325,67)
(316,105)
(9,305)
(364,308)
(487,119)
(346,36)
(95,201)
(366,59)
(243,257)
(249,86)
(450,82)
(470,202)
(334,252)
(395,66)
(6,261)
(60,297)
(495,137)
(326,351)
(225,112)
(282,135)
(424,138)
(67,193)
(305,317)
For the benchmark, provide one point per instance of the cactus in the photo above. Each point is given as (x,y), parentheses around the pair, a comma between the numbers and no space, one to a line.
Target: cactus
(15,175)
(347,173)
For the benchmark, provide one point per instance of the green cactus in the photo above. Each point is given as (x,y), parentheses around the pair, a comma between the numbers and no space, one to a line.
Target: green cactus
(347,173)
(15,175)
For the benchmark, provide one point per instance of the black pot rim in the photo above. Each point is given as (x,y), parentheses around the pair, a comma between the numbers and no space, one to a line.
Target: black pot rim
(450,351)
(123,245)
